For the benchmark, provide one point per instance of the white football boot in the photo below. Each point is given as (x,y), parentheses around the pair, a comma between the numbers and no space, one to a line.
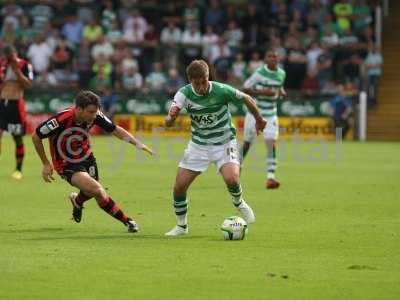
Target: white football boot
(247,212)
(177,230)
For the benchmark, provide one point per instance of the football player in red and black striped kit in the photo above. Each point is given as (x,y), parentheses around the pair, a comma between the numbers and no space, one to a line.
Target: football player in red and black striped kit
(16,74)
(68,134)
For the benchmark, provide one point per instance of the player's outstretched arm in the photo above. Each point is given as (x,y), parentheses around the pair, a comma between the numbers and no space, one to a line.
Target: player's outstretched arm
(172,115)
(122,134)
(268,92)
(47,172)
(252,107)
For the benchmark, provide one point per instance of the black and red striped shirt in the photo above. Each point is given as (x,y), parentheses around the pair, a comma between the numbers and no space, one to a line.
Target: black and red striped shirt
(69,142)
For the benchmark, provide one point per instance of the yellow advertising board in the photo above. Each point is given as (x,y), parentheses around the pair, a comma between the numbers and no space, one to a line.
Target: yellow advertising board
(303,128)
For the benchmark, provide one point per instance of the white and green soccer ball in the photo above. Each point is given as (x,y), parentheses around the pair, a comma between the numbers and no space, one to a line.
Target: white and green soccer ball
(234,228)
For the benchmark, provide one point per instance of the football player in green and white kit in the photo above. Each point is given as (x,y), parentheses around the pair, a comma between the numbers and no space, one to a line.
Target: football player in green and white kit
(213,138)
(266,85)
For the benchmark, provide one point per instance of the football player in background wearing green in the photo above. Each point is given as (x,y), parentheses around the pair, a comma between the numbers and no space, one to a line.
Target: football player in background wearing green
(213,138)
(266,85)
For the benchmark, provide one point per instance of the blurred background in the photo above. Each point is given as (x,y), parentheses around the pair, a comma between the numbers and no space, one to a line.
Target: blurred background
(134,53)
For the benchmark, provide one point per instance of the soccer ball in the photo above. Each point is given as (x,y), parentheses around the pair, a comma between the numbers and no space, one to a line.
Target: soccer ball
(234,228)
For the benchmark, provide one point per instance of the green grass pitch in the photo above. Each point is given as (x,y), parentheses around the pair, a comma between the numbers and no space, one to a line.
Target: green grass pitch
(332,231)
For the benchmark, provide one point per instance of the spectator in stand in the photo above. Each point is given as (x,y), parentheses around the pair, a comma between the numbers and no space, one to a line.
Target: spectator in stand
(351,68)
(24,33)
(220,58)
(282,19)
(215,14)
(316,14)
(171,13)
(101,81)
(102,47)
(330,38)
(209,39)
(312,57)
(252,22)
(121,51)
(108,15)
(129,62)
(65,78)
(343,11)
(12,12)
(191,13)
(362,15)
(191,40)
(73,30)
(156,80)
(233,36)
(348,45)
(276,45)
(39,53)
(324,67)
(310,85)
(296,66)
(331,24)
(102,65)
(132,80)
(114,34)
(254,63)
(150,43)
(85,10)
(63,56)
(135,27)
(238,70)
(373,64)
(8,33)
(84,63)
(41,14)
(170,39)
(174,82)
(93,31)
(310,36)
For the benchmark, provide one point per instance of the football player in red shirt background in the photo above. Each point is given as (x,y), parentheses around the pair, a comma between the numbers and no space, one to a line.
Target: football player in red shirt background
(16,74)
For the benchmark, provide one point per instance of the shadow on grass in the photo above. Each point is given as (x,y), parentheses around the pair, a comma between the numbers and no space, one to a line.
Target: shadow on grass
(33,230)
(76,236)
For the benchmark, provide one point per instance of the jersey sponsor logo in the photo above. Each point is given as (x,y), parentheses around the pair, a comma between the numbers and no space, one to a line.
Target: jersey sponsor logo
(205,120)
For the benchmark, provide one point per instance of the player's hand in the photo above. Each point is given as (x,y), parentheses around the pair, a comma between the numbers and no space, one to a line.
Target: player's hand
(172,115)
(147,149)
(260,125)
(168,121)
(13,61)
(282,94)
(47,173)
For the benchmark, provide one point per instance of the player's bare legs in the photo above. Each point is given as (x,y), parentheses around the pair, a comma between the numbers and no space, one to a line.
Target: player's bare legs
(184,179)
(230,173)
(90,187)
(272,183)
(19,156)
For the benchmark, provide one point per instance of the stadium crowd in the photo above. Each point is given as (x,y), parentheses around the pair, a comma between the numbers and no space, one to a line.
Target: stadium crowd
(143,46)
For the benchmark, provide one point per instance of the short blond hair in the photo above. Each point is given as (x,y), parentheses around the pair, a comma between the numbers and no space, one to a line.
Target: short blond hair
(197,69)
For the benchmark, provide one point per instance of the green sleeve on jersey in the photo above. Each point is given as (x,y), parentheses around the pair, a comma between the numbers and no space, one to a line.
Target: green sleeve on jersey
(234,95)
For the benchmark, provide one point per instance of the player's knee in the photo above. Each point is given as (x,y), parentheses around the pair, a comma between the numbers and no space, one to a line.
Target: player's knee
(232,179)
(97,191)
